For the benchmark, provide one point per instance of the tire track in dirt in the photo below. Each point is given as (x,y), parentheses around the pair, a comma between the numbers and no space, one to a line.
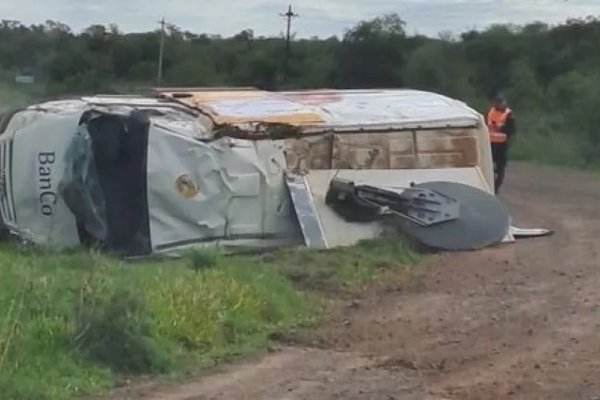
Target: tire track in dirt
(515,322)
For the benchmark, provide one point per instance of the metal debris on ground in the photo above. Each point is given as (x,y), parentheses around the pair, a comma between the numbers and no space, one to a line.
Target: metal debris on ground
(440,215)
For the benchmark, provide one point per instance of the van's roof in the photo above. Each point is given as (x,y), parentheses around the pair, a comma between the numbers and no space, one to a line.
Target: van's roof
(312,110)
(395,108)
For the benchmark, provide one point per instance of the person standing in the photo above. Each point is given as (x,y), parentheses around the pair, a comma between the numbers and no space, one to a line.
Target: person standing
(502,129)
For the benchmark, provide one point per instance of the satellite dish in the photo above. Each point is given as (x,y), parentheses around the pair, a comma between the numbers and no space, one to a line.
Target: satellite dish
(483,220)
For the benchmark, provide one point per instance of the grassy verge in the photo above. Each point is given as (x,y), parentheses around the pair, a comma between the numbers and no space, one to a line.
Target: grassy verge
(73,324)
(13,96)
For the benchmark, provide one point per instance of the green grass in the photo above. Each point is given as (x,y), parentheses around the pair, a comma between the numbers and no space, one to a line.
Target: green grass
(13,96)
(73,324)
(344,270)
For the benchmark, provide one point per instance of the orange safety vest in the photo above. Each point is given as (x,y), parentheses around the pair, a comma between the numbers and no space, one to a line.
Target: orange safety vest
(496,120)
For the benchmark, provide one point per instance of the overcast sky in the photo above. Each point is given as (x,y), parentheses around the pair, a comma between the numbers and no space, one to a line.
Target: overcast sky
(317,17)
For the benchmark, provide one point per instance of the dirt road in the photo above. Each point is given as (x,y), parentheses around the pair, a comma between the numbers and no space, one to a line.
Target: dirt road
(518,322)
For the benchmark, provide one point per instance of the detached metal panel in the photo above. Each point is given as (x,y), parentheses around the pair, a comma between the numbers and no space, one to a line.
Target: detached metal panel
(341,233)
(306,212)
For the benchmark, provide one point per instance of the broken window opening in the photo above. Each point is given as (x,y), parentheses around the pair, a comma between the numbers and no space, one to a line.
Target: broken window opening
(105,182)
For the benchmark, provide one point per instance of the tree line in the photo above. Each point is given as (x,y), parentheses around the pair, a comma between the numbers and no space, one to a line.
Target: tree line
(549,73)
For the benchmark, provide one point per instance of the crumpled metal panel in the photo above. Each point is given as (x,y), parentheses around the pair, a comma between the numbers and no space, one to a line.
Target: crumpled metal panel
(374,151)
(341,233)
(313,152)
(210,192)
(306,212)
(392,150)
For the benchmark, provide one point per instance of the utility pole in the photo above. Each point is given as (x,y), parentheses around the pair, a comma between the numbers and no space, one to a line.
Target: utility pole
(289,15)
(161,51)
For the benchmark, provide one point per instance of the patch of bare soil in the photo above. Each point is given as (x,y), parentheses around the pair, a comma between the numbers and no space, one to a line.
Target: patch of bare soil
(516,322)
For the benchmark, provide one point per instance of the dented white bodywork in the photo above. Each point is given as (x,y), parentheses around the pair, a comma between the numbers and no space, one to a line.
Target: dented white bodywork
(215,174)
(34,145)
(235,192)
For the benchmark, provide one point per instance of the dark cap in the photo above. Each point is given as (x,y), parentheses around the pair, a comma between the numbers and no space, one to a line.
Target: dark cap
(500,99)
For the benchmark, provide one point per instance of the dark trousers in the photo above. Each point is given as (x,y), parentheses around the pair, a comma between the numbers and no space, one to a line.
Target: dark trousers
(499,157)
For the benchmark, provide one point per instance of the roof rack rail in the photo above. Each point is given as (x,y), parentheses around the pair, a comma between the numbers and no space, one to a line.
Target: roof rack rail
(204,89)
(118,96)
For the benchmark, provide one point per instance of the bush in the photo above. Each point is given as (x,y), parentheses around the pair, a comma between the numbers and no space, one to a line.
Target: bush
(116,332)
(200,259)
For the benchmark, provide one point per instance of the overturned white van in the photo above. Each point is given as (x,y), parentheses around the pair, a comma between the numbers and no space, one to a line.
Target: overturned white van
(186,167)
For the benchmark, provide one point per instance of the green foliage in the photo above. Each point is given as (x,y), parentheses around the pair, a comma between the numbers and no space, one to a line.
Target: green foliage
(372,53)
(440,66)
(37,300)
(524,90)
(115,331)
(200,259)
(12,96)
(548,73)
(70,324)
(342,269)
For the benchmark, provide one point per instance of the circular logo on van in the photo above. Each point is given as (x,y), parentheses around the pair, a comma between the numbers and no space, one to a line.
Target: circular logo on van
(186,186)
